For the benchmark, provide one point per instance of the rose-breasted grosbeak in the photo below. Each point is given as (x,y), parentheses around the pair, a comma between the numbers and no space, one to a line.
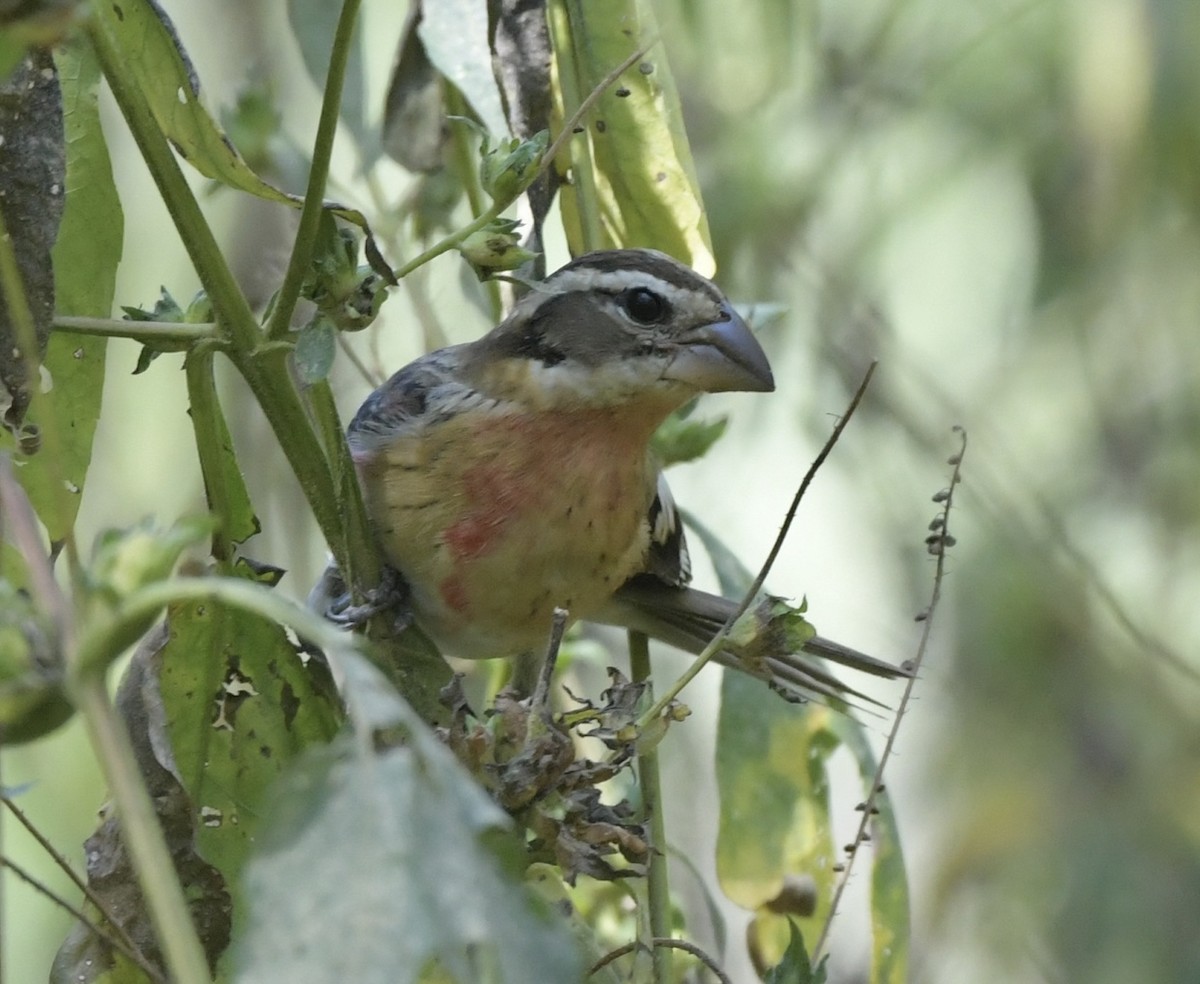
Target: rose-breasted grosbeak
(512,475)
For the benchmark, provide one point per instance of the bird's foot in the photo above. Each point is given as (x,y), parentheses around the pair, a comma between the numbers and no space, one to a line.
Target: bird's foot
(389,595)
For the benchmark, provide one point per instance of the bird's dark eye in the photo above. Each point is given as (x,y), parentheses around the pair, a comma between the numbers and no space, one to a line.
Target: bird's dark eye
(644,306)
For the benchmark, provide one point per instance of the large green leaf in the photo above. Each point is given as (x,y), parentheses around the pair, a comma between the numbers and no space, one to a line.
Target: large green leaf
(85,258)
(377,865)
(771,771)
(645,182)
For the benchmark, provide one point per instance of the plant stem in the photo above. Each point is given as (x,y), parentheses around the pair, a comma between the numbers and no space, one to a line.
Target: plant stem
(452,240)
(659,891)
(150,332)
(318,175)
(361,566)
(264,367)
(210,433)
(141,834)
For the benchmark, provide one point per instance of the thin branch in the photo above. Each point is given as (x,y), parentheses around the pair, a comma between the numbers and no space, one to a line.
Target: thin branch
(318,175)
(497,207)
(141,833)
(140,331)
(938,542)
(132,953)
(668,942)
(356,361)
(123,942)
(718,641)
(649,779)
(568,127)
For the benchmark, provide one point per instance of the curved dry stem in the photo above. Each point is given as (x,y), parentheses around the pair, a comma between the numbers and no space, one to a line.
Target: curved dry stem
(668,942)
(938,543)
(718,641)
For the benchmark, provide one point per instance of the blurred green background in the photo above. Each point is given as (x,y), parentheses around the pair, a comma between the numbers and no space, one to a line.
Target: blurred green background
(1000,201)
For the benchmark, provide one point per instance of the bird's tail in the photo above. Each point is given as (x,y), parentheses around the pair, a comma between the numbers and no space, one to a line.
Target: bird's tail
(688,619)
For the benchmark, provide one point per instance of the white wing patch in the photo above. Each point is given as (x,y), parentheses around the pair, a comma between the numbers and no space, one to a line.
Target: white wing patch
(667,527)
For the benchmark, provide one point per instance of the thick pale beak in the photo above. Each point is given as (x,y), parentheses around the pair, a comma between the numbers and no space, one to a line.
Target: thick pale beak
(721,357)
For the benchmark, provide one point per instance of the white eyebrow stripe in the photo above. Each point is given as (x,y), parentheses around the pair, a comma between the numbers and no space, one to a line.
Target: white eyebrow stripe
(615,281)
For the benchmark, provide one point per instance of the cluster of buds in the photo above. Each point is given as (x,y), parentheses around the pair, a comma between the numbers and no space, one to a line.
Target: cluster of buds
(345,293)
(505,171)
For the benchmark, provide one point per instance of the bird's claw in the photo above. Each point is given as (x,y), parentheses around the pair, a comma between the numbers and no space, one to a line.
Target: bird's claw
(390,594)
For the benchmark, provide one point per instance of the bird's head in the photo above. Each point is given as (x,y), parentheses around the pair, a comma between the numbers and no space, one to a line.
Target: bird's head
(618,326)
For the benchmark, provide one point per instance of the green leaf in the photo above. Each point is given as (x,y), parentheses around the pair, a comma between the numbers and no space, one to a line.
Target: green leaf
(315,347)
(890,915)
(231,500)
(378,865)
(314,22)
(680,438)
(772,759)
(162,71)
(794,967)
(648,194)
(239,705)
(455,36)
(85,258)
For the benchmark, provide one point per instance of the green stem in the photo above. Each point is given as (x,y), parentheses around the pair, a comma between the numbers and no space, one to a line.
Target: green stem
(659,892)
(318,175)
(264,367)
(141,834)
(211,433)
(452,240)
(149,332)
(269,379)
(361,566)
(232,308)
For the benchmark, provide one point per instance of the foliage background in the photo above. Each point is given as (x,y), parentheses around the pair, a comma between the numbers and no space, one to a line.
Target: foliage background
(999,201)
